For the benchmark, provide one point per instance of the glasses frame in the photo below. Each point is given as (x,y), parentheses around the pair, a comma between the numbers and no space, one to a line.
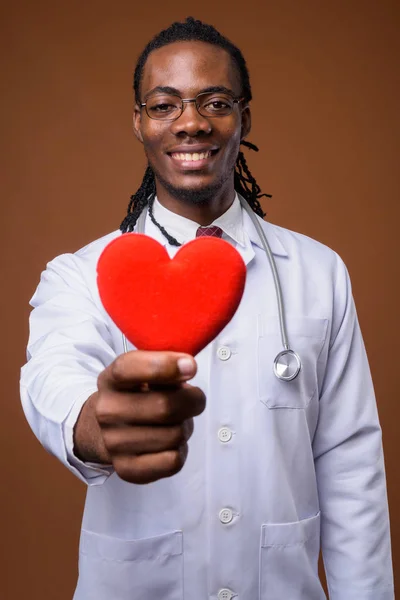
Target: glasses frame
(185,101)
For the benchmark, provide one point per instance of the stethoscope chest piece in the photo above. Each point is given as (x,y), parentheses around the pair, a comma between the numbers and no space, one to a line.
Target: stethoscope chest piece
(287,365)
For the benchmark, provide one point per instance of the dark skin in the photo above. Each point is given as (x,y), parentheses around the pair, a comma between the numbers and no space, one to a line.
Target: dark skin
(141,417)
(190,68)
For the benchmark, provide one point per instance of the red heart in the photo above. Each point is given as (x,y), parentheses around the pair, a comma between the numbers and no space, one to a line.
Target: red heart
(163,304)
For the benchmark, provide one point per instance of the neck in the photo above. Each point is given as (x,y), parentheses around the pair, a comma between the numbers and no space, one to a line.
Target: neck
(201,208)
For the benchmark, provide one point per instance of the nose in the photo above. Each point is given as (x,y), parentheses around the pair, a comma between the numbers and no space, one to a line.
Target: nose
(191,122)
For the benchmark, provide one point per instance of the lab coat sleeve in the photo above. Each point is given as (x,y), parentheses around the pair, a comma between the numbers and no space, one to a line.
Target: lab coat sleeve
(69,345)
(349,463)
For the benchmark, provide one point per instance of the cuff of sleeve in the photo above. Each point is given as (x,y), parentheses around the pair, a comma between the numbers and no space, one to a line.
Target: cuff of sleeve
(90,473)
(383,593)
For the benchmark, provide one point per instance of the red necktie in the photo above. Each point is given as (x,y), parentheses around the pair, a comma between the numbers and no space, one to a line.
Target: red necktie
(212,231)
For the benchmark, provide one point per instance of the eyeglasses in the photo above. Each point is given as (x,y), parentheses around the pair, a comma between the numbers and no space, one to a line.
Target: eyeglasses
(168,107)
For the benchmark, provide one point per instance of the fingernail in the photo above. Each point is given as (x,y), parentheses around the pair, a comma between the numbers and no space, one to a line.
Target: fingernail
(185,366)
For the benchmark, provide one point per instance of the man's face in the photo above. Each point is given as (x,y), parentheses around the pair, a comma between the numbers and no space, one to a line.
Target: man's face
(191,68)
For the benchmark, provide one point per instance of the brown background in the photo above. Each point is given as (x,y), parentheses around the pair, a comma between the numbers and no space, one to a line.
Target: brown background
(325,78)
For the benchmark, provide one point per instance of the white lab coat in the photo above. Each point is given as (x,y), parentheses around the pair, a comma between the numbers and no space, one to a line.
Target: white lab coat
(296,462)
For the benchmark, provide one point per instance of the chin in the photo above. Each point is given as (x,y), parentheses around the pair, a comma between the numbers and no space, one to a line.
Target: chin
(195,195)
(202,193)
(192,194)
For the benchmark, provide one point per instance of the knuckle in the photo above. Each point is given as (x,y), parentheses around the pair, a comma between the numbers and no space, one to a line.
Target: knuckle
(200,400)
(125,469)
(117,368)
(188,428)
(156,364)
(104,414)
(112,440)
(121,467)
(175,461)
(196,399)
(162,406)
(178,436)
(102,378)
(108,440)
(162,365)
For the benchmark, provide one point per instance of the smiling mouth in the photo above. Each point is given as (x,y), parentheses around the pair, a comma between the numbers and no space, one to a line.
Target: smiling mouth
(193,159)
(195,156)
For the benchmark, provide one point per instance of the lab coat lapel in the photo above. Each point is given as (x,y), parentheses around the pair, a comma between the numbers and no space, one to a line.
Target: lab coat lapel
(252,237)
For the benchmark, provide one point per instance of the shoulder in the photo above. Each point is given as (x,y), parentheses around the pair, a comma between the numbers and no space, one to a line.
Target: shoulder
(86,256)
(315,267)
(295,241)
(93,250)
(302,249)
(73,270)
(307,264)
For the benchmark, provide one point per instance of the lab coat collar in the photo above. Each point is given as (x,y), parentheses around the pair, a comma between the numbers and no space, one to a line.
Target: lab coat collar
(245,250)
(275,243)
(250,234)
(184,229)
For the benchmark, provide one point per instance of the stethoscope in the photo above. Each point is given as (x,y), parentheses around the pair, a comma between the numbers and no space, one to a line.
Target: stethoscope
(287,363)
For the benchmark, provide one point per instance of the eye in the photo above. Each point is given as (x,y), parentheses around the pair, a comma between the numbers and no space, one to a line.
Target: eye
(218,105)
(161,108)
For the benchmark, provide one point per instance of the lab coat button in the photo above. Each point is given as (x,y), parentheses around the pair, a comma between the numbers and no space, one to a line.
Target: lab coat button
(225,515)
(224,353)
(224,434)
(225,594)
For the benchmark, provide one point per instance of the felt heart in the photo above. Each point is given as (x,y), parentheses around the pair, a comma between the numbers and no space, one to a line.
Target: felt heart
(177,304)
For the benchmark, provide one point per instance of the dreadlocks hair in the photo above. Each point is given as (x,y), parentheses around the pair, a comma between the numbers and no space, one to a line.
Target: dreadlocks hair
(245,184)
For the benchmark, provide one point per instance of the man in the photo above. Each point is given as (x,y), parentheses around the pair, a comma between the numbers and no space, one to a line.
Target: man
(228,500)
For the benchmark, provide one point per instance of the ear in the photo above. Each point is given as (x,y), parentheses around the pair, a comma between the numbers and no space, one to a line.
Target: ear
(137,122)
(246,121)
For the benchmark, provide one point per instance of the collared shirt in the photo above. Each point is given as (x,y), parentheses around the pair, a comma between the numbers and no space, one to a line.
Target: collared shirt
(273,467)
(183,229)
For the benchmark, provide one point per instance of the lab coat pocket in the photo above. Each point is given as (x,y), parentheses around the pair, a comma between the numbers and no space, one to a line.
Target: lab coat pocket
(142,569)
(289,561)
(306,337)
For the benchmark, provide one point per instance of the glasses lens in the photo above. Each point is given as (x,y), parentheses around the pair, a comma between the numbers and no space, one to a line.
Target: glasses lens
(215,104)
(163,107)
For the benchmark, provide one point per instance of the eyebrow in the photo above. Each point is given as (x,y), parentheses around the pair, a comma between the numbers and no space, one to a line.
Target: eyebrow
(159,89)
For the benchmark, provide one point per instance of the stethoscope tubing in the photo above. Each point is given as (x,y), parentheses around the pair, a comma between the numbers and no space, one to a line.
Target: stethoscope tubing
(284,357)
(278,289)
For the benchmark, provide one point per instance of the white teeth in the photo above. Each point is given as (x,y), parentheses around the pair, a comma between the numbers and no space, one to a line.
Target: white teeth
(191,157)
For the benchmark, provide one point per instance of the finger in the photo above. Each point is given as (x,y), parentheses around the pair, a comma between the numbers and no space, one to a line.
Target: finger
(147,468)
(146,440)
(133,368)
(156,407)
